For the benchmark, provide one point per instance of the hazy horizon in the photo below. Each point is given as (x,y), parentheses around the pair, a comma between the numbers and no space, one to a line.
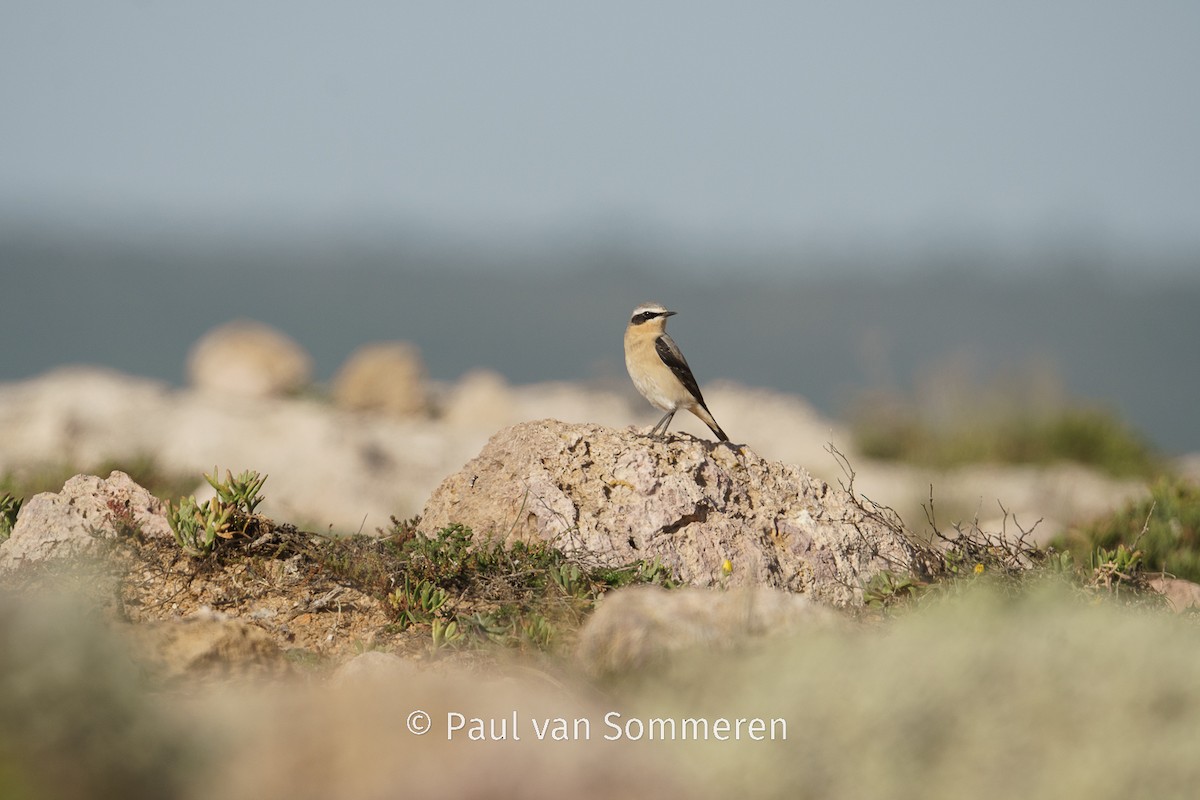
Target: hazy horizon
(779,126)
(945,334)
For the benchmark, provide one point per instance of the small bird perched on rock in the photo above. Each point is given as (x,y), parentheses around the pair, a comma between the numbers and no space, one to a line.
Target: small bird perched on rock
(659,370)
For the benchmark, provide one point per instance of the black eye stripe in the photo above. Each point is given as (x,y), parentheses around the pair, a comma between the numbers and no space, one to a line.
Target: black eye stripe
(646,316)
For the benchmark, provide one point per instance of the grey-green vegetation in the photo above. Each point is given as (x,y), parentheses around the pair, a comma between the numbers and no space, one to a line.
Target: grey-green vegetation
(1090,437)
(478,590)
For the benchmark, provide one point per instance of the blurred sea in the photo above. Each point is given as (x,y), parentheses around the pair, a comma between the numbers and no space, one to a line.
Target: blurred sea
(948,333)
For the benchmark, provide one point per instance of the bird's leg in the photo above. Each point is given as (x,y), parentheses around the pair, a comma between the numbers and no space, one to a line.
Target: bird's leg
(663,423)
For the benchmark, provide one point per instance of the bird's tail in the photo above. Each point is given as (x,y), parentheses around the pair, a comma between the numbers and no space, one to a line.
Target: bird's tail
(701,411)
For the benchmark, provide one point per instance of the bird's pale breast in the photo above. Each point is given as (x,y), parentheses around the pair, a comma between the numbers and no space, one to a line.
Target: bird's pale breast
(653,379)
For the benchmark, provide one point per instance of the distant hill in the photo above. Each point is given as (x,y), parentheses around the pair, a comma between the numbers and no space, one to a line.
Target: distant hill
(1105,336)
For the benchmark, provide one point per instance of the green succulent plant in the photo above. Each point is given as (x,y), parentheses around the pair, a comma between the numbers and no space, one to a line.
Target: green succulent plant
(197,526)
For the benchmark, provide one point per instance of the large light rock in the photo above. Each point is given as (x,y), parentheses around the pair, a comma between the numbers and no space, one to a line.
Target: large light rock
(691,504)
(385,376)
(249,359)
(79,520)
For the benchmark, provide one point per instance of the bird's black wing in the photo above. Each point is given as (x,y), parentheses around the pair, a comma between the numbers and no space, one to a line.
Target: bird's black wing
(668,351)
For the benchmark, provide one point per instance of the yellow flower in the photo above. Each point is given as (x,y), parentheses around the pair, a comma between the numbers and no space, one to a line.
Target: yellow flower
(979,569)
(727,566)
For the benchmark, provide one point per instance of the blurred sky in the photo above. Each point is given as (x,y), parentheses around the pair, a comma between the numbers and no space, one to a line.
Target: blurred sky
(780,123)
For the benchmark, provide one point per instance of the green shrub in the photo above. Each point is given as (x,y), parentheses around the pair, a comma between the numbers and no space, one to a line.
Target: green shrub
(1165,528)
(475,589)
(1084,436)
(9,508)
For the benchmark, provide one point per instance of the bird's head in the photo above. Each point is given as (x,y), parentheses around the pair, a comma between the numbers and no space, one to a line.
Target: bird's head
(650,316)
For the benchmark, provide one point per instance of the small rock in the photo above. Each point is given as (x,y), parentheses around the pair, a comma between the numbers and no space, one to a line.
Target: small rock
(248,359)
(206,646)
(481,400)
(1181,595)
(386,376)
(637,625)
(78,520)
(1188,467)
(373,667)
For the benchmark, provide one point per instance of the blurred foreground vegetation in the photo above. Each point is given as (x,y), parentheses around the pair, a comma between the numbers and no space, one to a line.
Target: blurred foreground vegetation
(980,692)
(1016,671)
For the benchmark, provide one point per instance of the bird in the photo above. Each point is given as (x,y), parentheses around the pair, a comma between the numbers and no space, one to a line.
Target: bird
(659,370)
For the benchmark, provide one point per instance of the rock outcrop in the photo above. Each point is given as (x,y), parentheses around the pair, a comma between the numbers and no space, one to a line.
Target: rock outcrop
(711,514)
(77,521)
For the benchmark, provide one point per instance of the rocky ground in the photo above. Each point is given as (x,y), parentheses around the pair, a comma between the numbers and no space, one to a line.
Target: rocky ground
(129,668)
(694,512)
(282,662)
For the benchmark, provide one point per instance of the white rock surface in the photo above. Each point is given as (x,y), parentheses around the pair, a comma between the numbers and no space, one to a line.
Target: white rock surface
(77,521)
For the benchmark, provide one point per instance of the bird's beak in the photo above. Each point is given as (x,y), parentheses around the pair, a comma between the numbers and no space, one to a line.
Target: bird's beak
(669,313)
